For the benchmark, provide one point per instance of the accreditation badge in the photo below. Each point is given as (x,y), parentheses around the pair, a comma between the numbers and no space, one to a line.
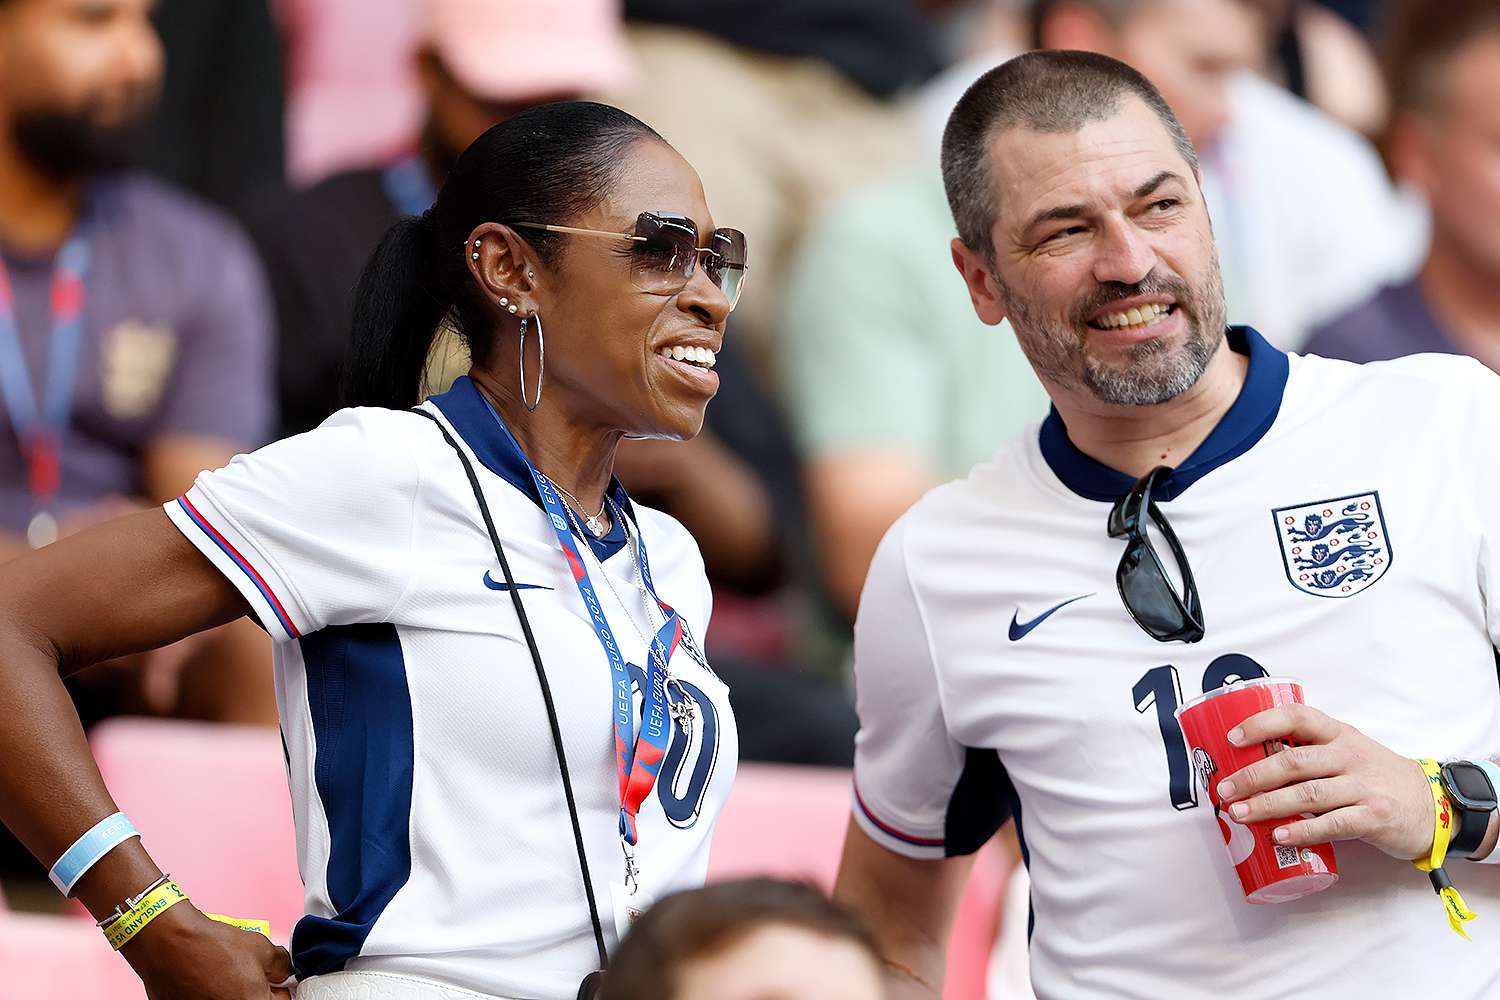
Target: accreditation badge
(628,906)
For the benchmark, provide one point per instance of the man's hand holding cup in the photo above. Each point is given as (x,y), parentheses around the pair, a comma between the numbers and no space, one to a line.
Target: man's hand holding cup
(1355,788)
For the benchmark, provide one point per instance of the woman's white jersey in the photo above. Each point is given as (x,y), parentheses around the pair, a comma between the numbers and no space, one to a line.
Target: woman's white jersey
(432,831)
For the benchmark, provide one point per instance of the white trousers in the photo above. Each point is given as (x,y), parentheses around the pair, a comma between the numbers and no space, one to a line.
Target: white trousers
(381,986)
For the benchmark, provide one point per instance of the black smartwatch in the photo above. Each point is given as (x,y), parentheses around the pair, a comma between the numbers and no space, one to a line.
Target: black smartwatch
(1473,797)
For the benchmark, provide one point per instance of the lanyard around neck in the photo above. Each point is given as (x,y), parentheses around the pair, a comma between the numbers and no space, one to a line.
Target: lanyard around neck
(39,424)
(638,753)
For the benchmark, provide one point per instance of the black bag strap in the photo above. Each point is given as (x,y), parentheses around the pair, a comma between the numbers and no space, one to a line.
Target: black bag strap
(541,676)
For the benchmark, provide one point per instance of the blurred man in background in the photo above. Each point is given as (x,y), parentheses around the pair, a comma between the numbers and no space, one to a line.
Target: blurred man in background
(1445,141)
(134,326)
(1307,224)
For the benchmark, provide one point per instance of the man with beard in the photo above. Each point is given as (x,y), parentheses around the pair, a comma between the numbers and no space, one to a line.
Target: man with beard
(134,322)
(480,62)
(1013,659)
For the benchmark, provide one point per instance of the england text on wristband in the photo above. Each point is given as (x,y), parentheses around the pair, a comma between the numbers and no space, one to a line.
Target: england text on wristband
(151,906)
(103,837)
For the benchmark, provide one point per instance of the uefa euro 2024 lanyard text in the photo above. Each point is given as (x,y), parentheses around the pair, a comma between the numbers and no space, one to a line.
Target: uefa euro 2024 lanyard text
(638,753)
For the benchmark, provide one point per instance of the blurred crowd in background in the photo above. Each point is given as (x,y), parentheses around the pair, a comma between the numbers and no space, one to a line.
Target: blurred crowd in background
(1350,154)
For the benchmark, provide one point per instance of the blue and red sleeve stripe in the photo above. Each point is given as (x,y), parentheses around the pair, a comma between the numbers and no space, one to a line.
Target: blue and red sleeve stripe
(891,831)
(243,563)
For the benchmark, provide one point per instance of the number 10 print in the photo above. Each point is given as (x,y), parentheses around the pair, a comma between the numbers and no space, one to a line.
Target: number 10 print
(1160,688)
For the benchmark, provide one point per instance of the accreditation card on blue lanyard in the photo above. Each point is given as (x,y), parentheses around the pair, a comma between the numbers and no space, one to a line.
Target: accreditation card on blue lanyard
(39,425)
(638,753)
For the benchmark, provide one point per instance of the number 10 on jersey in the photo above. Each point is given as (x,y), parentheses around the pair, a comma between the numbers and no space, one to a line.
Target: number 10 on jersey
(1160,688)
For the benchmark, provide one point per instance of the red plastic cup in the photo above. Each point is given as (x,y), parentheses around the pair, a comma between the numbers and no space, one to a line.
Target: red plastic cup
(1269,872)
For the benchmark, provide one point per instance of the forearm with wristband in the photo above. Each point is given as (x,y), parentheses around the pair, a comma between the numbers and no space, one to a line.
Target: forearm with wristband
(1463,802)
(136,912)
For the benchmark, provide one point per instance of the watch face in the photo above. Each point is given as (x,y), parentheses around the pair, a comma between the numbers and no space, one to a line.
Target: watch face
(1470,782)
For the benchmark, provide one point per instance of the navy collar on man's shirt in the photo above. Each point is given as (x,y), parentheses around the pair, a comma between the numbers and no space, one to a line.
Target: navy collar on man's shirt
(1245,423)
(474,420)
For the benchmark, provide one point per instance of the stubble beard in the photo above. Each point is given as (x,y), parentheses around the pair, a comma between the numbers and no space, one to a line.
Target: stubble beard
(1154,371)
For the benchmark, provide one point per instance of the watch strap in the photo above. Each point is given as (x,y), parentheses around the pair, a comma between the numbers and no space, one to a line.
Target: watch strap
(1492,771)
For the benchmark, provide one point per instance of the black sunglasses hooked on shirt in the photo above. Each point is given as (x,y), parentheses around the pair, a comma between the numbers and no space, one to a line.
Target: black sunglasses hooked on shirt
(1147,591)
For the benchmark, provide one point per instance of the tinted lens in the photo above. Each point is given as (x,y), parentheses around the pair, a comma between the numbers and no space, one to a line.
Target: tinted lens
(1161,549)
(1146,594)
(1155,583)
(726,262)
(664,252)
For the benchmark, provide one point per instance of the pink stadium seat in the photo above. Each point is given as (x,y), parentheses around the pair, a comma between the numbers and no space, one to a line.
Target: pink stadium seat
(212,806)
(790,822)
(59,958)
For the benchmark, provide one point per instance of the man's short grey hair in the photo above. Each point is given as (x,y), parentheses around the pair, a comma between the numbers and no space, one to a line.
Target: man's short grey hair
(1052,92)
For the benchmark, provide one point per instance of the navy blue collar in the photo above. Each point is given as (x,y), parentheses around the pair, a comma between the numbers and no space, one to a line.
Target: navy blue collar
(471,416)
(1245,423)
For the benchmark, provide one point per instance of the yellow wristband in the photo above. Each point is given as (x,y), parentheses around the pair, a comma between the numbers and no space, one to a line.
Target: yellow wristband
(262,927)
(1442,833)
(151,906)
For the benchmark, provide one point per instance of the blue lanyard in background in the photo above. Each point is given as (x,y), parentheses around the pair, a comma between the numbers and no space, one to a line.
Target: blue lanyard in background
(39,426)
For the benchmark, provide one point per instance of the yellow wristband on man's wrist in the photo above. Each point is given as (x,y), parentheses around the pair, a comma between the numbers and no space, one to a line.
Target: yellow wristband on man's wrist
(1442,834)
(152,905)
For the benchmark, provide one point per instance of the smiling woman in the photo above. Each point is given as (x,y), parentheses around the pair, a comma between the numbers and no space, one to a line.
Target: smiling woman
(477,662)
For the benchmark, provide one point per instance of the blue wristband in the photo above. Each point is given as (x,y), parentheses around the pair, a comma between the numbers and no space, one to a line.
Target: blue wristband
(107,834)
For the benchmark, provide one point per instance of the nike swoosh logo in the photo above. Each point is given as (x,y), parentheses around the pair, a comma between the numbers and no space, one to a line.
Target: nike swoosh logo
(494,584)
(1019,631)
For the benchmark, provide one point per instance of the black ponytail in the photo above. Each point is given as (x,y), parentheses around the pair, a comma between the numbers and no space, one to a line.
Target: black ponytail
(396,316)
(551,163)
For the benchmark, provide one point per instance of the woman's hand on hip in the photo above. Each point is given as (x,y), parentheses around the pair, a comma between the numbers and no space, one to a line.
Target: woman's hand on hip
(184,955)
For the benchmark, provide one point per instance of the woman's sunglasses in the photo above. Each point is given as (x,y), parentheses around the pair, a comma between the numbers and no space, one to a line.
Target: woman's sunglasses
(1148,593)
(664,251)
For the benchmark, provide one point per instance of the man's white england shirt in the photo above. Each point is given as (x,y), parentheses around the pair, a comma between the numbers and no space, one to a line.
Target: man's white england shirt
(433,835)
(1343,526)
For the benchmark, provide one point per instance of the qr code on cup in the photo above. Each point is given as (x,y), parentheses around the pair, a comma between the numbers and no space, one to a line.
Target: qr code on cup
(1287,857)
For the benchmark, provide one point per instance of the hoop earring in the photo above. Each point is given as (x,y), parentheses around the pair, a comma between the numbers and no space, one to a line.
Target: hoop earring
(541,344)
